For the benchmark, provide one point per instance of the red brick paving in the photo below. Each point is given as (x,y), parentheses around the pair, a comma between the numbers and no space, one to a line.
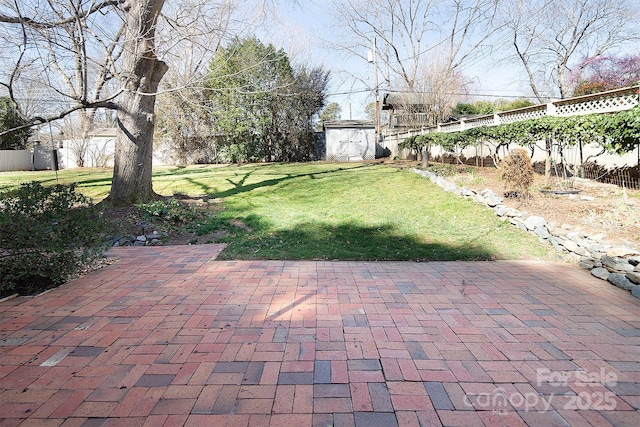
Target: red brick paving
(171,337)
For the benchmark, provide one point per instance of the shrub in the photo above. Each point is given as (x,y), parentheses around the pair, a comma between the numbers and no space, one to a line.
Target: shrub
(47,235)
(170,210)
(517,173)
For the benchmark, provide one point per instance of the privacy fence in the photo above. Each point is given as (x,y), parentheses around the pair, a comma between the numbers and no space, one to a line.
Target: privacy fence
(25,160)
(594,162)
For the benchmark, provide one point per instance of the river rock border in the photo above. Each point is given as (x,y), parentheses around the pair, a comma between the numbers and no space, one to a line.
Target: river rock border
(618,265)
(151,239)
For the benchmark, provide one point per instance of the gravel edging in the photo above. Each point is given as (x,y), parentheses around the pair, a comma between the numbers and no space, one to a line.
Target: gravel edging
(619,265)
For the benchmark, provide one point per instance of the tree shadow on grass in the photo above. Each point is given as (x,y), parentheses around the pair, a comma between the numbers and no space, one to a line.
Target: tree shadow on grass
(241,187)
(319,241)
(201,168)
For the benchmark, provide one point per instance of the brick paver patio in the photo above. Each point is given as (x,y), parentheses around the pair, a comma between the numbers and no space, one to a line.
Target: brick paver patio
(169,336)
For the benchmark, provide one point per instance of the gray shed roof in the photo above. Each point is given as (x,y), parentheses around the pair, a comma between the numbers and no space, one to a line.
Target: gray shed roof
(341,124)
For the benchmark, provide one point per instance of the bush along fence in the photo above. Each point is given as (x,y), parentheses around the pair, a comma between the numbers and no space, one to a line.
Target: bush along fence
(609,121)
(618,265)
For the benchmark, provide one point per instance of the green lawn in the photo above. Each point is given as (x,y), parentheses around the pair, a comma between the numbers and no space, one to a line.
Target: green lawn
(329,211)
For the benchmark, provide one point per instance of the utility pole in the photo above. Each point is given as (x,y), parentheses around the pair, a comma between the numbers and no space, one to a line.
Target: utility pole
(374,59)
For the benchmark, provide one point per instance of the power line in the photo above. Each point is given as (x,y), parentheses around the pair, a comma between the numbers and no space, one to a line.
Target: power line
(479,94)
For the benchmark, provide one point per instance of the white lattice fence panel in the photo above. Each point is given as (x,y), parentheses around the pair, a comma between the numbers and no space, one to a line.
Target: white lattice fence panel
(451,127)
(523,114)
(480,121)
(604,104)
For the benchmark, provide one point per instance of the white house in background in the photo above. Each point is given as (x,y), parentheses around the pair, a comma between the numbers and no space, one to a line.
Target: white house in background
(98,149)
(350,140)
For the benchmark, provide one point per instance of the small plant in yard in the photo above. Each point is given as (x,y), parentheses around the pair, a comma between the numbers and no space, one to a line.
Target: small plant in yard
(47,235)
(517,173)
(174,215)
(170,210)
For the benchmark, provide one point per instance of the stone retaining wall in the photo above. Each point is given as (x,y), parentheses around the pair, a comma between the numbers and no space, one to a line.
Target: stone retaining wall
(618,265)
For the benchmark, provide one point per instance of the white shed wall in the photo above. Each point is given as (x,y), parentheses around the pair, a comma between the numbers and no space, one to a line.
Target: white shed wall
(350,144)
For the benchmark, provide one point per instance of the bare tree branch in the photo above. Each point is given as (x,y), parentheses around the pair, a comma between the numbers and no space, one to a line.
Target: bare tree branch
(31,22)
(551,37)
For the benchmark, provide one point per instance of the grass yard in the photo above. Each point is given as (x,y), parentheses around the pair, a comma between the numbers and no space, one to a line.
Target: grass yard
(328,211)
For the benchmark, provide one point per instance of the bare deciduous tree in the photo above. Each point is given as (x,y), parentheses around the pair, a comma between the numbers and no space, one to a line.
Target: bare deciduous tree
(550,37)
(84,55)
(71,51)
(418,42)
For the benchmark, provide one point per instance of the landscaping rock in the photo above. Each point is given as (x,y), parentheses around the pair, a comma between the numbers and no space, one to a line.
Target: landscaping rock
(569,245)
(616,264)
(542,232)
(596,247)
(151,239)
(584,243)
(621,251)
(493,201)
(600,273)
(491,198)
(514,213)
(450,188)
(554,242)
(581,251)
(576,236)
(609,261)
(465,192)
(634,277)
(534,222)
(587,263)
(620,265)
(500,210)
(620,280)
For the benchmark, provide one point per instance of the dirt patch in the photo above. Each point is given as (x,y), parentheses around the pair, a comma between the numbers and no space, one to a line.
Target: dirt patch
(586,205)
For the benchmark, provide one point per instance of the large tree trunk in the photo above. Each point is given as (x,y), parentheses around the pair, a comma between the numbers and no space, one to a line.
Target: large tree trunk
(141,74)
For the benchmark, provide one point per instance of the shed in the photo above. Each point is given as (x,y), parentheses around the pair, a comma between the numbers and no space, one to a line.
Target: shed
(350,140)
